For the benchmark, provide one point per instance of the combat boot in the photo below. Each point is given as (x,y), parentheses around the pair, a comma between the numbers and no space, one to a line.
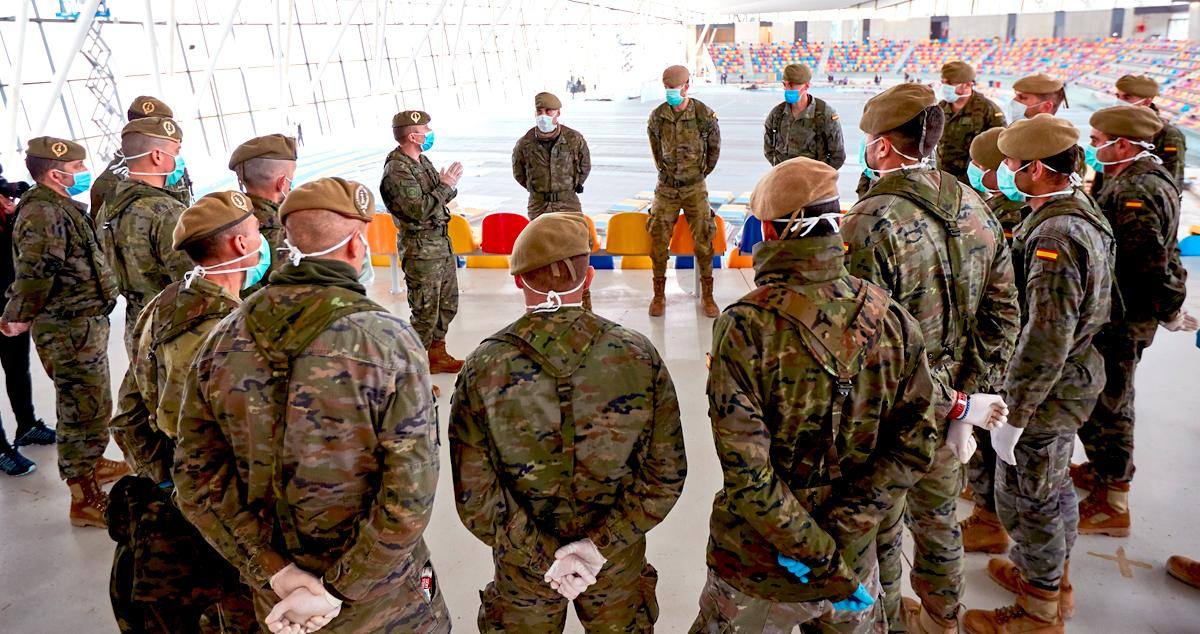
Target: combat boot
(440,361)
(706,298)
(587,300)
(658,305)
(1035,612)
(1106,511)
(110,471)
(88,502)
(1185,570)
(922,621)
(1083,476)
(1005,573)
(982,533)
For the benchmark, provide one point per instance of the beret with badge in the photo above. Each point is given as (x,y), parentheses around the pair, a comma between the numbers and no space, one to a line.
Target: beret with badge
(271,146)
(985,151)
(957,72)
(55,149)
(410,117)
(797,74)
(157,127)
(343,197)
(548,239)
(675,76)
(1039,137)
(1138,122)
(210,215)
(1138,86)
(547,101)
(148,107)
(791,186)
(895,107)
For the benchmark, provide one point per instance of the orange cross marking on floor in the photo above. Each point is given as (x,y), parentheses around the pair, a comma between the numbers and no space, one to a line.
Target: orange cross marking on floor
(1123,563)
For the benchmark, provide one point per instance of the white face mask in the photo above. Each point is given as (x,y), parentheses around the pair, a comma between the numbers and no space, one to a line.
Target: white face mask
(545,123)
(295,254)
(554,299)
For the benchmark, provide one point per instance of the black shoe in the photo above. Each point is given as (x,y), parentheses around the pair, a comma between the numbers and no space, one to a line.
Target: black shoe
(14,464)
(38,434)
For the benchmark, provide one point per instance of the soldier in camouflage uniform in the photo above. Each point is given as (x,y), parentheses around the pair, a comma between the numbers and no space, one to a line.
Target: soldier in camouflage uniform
(812,349)
(686,142)
(931,241)
(316,480)
(551,161)
(64,291)
(1041,94)
(265,167)
(981,173)
(967,114)
(165,577)
(560,482)
(416,194)
(1170,144)
(1063,258)
(802,125)
(1141,202)
(135,225)
(105,185)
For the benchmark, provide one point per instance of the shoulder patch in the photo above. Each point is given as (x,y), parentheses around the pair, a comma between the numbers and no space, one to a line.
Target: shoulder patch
(1049,255)
(1134,204)
(997,114)
(835,117)
(1170,148)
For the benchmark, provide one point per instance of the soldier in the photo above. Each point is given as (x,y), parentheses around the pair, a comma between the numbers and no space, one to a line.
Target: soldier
(135,224)
(551,161)
(1141,202)
(686,142)
(1040,93)
(318,479)
(934,245)
(1170,145)
(802,125)
(117,170)
(981,173)
(416,194)
(967,114)
(1063,256)
(821,405)
(583,485)
(64,291)
(165,576)
(265,167)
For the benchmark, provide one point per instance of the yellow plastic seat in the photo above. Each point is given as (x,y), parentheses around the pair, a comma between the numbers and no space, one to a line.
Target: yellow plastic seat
(627,234)
(461,240)
(487,261)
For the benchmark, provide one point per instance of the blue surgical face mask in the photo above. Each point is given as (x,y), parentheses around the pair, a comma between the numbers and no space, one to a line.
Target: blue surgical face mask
(256,274)
(177,175)
(975,175)
(674,96)
(791,96)
(1006,180)
(82,182)
(367,274)
(949,95)
(428,142)
(1090,154)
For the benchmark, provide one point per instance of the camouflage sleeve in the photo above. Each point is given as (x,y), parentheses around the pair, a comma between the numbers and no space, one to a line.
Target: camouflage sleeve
(662,467)
(1173,152)
(754,490)
(583,167)
(993,117)
(713,141)
(997,322)
(1141,219)
(770,129)
(147,450)
(402,193)
(655,134)
(1053,295)
(834,143)
(39,252)
(518,164)
(174,261)
(485,506)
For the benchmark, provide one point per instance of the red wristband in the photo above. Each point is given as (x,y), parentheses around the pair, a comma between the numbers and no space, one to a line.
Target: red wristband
(960,406)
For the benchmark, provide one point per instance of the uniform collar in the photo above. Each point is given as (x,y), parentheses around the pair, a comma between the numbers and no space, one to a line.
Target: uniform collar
(800,261)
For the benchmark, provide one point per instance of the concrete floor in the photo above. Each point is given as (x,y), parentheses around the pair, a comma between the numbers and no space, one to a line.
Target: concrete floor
(54,578)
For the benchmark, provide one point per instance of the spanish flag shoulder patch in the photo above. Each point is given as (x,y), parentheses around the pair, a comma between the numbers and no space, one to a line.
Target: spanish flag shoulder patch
(1134,204)
(1008,234)
(1170,148)
(835,117)
(846,247)
(1049,255)
(998,114)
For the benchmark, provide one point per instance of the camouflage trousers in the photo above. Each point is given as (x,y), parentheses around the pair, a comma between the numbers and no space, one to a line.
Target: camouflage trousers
(1108,433)
(726,610)
(132,312)
(621,600)
(432,296)
(937,569)
(664,213)
(1035,499)
(568,201)
(74,353)
(981,472)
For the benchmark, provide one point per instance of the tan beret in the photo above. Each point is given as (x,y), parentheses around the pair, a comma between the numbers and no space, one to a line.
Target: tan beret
(1037,138)
(1138,86)
(148,107)
(343,197)
(411,117)
(55,149)
(895,107)
(548,239)
(547,100)
(157,127)
(676,76)
(1132,121)
(210,215)
(272,146)
(957,72)
(985,151)
(797,74)
(1039,84)
(792,185)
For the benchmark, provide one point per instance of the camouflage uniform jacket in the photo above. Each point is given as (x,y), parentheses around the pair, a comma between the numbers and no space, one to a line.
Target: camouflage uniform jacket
(271,228)
(60,271)
(414,194)
(169,331)
(685,145)
(954,149)
(946,262)
(1142,206)
(1063,255)
(354,459)
(1170,145)
(553,169)
(104,186)
(815,134)
(1008,212)
(533,473)
(136,229)
(770,400)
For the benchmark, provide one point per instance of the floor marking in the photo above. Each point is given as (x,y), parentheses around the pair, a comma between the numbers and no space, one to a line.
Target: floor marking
(1123,563)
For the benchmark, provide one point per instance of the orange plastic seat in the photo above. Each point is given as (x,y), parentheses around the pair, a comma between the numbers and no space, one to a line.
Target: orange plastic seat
(500,231)
(627,234)
(381,235)
(681,238)
(595,235)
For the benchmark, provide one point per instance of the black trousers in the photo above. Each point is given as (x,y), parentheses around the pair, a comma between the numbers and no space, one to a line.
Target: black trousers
(14,357)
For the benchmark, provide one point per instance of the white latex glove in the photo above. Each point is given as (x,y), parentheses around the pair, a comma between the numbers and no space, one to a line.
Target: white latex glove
(585,550)
(570,586)
(303,611)
(568,566)
(987,411)
(1182,321)
(961,439)
(1004,441)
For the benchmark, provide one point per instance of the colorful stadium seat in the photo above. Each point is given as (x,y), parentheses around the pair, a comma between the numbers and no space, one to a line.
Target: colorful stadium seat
(500,231)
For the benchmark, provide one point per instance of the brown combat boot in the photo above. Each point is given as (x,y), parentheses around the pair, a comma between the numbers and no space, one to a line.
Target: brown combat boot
(1106,511)
(440,361)
(982,533)
(1005,573)
(110,471)
(1185,570)
(1036,612)
(88,502)
(587,299)
(658,305)
(706,298)
(1083,476)
(923,621)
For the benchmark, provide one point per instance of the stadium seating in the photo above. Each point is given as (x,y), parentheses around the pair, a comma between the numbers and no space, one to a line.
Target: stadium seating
(874,56)
(770,59)
(929,57)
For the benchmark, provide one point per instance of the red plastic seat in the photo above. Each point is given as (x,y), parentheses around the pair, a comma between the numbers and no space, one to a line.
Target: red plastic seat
(500,231)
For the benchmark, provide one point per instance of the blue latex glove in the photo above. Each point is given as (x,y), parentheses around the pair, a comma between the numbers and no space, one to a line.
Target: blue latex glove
(856,602)
(796,568)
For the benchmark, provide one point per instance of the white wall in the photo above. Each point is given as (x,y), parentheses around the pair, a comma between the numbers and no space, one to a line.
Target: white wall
(1193,21)
(1156,25)
(783,31)
(912,29)
(1087,24)
(978,26)
(1031,25)
(818,31)
(745,31)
